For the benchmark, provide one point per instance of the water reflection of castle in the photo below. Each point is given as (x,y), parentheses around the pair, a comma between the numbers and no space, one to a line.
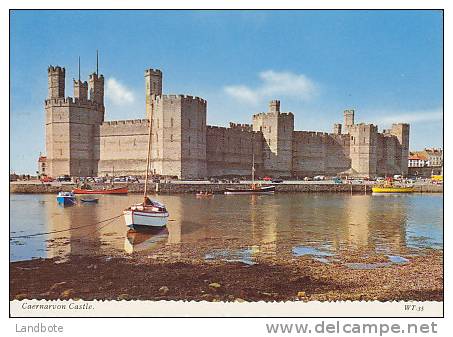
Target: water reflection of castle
(267,224)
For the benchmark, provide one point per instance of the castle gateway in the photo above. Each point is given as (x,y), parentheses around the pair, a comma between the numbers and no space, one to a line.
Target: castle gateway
(79,142)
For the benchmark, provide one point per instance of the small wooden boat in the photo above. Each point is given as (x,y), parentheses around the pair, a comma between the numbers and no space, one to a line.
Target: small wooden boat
(146,215)
(89,200)
(117,190)
(254,189)
(66,198)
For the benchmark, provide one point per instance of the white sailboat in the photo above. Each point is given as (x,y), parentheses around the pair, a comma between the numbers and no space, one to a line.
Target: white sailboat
(150,213)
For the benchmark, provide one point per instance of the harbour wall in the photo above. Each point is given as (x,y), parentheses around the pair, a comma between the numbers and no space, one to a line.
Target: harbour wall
(170,188)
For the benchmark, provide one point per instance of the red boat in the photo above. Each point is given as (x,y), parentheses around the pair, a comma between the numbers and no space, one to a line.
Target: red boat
(118,190)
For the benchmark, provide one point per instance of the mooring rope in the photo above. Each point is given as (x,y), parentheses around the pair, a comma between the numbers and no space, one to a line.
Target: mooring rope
(63,230)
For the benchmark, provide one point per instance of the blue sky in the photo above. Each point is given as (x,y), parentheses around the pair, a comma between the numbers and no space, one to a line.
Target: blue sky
(385,64)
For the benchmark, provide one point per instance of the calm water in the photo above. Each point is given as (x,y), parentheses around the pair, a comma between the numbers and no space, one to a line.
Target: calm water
(234,228)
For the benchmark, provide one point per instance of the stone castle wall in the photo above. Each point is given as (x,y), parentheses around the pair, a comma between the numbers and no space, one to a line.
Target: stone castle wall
(316,153)
(122,147)
(229,151)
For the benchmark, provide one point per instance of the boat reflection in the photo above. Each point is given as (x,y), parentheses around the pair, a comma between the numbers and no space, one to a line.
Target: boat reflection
(137,241)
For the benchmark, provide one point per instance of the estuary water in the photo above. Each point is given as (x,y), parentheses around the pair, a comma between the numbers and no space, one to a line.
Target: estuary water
(233,227)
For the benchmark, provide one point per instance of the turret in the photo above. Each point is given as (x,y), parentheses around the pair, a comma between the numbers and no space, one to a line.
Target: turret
(81,90)
(153,87)
(337,129)
(56,82)
(274,106)
(96,83)
(348,119)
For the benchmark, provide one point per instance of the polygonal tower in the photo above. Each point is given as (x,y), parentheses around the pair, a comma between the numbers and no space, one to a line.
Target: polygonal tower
(277,129)
(72,123)
(401,131)
(153,88)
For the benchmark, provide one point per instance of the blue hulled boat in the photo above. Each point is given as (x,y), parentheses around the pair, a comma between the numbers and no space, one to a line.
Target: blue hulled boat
(66,198)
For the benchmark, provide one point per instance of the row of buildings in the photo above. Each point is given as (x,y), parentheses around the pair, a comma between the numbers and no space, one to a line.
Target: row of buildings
(80,142)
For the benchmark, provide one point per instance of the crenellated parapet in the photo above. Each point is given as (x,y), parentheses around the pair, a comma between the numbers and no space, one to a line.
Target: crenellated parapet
(126,122)
(73,102)
(186,98)
(152,71)
(241,127)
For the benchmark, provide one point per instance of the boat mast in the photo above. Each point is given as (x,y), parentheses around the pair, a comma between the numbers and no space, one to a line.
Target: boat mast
(253,160)
(149,152)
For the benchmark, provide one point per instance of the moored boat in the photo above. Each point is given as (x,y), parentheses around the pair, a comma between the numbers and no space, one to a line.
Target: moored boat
(89,200)
(66,198)
(149,213)
(392,189)
(254,189)
(117,190)
(389,187)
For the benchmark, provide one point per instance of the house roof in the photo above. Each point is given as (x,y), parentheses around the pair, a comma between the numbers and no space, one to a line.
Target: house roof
(415,157)
(423,155)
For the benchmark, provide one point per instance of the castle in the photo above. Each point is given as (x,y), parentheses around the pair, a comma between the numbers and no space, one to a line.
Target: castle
(79,142)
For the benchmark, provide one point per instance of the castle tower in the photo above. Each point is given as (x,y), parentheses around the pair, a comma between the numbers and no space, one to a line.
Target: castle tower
(337,129)
(348,119)
(81,90)
(274,106)
(153,88)
(401,131)
(363,144)
(96,84)
(71,125)
(179,136)
(56,82)
(277,129)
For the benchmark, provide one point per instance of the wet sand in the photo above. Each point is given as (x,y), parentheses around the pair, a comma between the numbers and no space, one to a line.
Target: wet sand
(139,278)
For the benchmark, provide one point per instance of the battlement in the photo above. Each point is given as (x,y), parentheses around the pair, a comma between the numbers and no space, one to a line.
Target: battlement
(363,127)
(95,76)
(72,101)
(126,122)
(151,71)
(181,97)
(236,127)
(265,114)
(312,134)
(56,69)
(79,82)
(242,127)
(286,114)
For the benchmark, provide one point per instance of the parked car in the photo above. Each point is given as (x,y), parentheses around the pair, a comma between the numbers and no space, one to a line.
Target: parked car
(267,178)
(307,179)
(277,180)
(337,180)
(47,179)
(64,178)
(318,178)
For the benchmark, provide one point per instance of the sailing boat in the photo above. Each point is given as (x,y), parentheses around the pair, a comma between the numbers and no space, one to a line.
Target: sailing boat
(149,214)
(254,188)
